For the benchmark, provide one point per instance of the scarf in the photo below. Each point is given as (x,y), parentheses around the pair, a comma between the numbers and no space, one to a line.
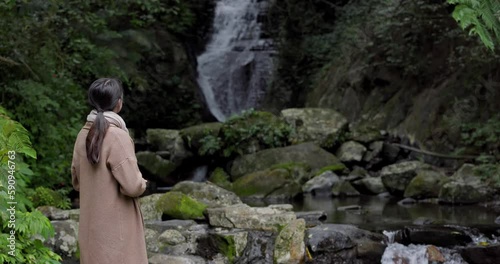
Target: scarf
(111,117)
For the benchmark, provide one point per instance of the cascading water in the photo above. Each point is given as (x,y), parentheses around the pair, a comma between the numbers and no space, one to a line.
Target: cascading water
(234,70)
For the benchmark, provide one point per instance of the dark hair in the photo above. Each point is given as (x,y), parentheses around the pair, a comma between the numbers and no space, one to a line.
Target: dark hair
(103,96)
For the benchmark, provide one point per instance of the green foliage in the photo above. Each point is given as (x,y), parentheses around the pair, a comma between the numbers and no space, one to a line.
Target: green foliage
(45,196)
(30,226)
(490,173)
(481,18)
(484,135)
(247,133)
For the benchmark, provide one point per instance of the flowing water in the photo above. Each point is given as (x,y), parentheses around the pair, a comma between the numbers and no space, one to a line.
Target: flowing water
(234,71)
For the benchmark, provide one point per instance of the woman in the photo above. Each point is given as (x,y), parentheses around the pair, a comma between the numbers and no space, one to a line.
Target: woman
(105,172)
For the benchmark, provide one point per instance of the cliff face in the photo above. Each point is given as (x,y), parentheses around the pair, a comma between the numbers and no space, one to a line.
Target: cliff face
(399,66)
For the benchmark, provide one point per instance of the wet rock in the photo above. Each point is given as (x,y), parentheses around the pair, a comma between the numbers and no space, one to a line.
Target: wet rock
(320,125)
(180,206)
(481,254)
(407,201)
(396,177)
(312,218)
(438,236)
(270,218)
(426,184)
(349,208)
(155,165)
(465,187)
(259,249)
(65,240)
(161,259)
(333,243)
(307,153)
(321,184)
(434,255)
(148,207)
(289,246)
(351,151)
(369,185)
(192,135)
(207,193)
(170,141)
(344,188)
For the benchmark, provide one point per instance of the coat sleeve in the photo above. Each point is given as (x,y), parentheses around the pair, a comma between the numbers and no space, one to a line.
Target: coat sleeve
(75,177)
(123,165)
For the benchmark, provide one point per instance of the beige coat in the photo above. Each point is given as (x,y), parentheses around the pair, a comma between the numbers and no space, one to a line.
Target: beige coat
(111,227)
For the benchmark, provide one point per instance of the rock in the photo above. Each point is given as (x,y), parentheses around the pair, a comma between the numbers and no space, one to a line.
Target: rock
(396,177)
(259,249)
(321,184)
(481,254)
(430,235)
(390,152)
(351,151)
(465,187)
(434,255)
(423,221)
(308,153)
(320,125)
(74,214)
(270,218)
(230,243)
(332,243)
(373,153)
(207,193)
(192,135)
(53,213)
(407,201)
(283,182)
(497,220)
(220,178)
(356,174)
(369,185)
(168,140)
(426,184)
(289,247)
(349,208)
(161,226)
(148,207)
(151,237)
(162,259)
(344,188)
(312,218)
(180,206)
(155,165)
(171,237)
(65,240)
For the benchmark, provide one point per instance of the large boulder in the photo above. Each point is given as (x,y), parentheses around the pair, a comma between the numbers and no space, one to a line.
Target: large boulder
(155,165)
(396,177)
(308,153)
(193,135)
(426,184)
(271,218)
(332,243)
(481,254)
(321,125)
(279,182)
(465,187)
(289,247)
(180,206)
(321,184)
(351,151)
(168,142)
(369,185)
(207,193)
(148,207)
(432,235)
(344,188)
(65,240)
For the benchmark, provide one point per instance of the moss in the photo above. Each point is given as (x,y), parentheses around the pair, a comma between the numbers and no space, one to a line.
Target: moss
(220,178)
(291,166)
(226,246)
(261,183)
(180,206)
(192,135)
(333,168)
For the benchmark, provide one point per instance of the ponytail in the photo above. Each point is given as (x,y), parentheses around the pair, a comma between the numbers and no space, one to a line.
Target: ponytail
(95,137)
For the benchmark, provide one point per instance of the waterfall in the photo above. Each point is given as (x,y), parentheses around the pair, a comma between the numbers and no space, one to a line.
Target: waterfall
(234,71)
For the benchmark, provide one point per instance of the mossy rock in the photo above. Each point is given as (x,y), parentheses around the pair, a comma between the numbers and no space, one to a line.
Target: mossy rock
(192,135)
(426,184)
(338,168)
(344,188)
(154,164)
(231,244)
(180,206)
(220,178)
(162,139)
(266,184)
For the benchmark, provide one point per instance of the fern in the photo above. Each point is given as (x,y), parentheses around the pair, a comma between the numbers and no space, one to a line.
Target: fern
(481,18)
